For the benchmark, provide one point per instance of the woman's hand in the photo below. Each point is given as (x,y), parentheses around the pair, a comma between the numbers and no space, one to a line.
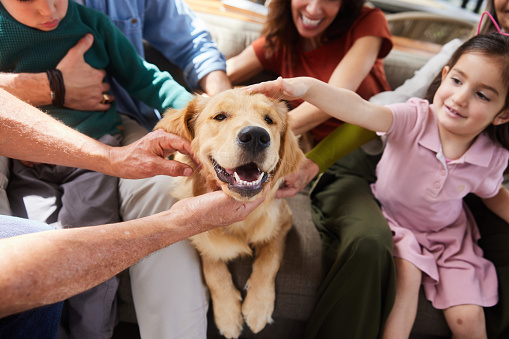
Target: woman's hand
(295,182)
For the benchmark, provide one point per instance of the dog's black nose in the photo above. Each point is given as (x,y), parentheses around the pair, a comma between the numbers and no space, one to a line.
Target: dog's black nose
(253,138)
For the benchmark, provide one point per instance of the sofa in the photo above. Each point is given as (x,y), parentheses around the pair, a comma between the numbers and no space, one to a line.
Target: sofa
(300,273)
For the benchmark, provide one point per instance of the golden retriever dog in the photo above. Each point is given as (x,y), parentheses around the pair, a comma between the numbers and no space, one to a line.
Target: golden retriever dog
(243,144)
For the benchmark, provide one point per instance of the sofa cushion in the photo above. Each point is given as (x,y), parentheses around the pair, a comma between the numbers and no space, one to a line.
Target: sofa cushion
(231,35)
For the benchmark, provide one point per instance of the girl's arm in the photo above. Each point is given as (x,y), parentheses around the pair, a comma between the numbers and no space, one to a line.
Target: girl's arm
(499,203)
(349,74)
(340,103)
(243,66)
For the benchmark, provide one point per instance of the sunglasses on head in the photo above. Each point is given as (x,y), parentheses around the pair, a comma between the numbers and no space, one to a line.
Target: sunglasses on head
(493,21)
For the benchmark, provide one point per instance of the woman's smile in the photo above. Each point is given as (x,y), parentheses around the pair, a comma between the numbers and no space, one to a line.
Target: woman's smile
(310,23)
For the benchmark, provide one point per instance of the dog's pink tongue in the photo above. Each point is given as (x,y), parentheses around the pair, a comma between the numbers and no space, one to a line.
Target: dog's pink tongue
(248,172)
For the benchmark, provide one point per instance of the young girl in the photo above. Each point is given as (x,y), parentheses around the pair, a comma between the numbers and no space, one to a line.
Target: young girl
(435,155)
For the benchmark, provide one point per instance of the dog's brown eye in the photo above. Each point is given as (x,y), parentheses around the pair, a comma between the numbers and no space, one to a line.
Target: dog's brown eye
(269,120)
(220,117)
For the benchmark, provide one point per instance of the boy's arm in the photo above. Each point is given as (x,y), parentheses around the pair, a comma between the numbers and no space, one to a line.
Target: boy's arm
(499,203)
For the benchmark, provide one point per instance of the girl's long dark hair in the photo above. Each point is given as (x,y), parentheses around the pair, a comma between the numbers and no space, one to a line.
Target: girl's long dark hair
(496,47)
(280,31)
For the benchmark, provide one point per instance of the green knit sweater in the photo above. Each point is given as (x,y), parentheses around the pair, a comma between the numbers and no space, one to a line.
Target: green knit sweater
(25,49)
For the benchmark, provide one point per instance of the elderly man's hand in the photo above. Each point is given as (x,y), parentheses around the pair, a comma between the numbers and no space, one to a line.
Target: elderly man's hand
(213,209)
(146,157)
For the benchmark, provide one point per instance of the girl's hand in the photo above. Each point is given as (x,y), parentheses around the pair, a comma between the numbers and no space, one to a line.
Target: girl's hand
(287,89)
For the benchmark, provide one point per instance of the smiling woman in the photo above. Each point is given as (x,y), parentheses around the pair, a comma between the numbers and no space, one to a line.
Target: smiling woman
(312,18)
(339,42)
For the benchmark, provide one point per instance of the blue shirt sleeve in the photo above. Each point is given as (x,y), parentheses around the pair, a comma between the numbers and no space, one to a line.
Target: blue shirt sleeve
(182,37)
(172,28)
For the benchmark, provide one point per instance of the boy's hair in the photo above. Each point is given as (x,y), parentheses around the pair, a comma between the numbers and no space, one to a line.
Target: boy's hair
(496,47)
(280,31)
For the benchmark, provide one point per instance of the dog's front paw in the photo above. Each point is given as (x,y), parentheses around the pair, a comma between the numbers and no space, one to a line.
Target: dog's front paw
(228,316)
(258,307)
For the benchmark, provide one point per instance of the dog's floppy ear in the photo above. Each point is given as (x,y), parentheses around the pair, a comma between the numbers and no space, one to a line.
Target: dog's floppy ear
(290,154)
(181,121)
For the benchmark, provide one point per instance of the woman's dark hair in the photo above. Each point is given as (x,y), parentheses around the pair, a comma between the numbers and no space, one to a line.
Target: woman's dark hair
(487,25)
(280,31)
(496,47)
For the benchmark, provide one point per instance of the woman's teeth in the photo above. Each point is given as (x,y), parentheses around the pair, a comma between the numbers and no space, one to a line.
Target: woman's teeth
(309,22)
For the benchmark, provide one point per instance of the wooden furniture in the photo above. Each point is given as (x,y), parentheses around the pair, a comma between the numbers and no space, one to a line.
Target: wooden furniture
(217,7)
(441,7)
(413,46)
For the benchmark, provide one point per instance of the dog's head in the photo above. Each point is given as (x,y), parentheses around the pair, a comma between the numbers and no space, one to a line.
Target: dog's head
(241,140)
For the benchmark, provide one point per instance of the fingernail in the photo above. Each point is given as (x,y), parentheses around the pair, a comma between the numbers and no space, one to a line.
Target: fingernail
(188,172)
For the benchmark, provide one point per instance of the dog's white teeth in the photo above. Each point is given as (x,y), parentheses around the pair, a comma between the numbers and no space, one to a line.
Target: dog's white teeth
(248,183)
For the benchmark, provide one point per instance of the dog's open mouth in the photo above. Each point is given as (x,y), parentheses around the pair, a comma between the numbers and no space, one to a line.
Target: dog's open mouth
(247,180)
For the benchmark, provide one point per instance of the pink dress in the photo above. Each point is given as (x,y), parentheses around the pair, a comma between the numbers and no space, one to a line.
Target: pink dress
(421,196)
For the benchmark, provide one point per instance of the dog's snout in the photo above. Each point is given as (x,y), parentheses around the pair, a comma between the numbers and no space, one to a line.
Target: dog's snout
(253,138)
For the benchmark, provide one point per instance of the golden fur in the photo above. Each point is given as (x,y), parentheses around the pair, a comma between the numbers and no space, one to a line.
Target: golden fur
(236,128)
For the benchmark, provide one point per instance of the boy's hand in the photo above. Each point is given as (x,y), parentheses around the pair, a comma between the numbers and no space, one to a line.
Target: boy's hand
(287,89)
